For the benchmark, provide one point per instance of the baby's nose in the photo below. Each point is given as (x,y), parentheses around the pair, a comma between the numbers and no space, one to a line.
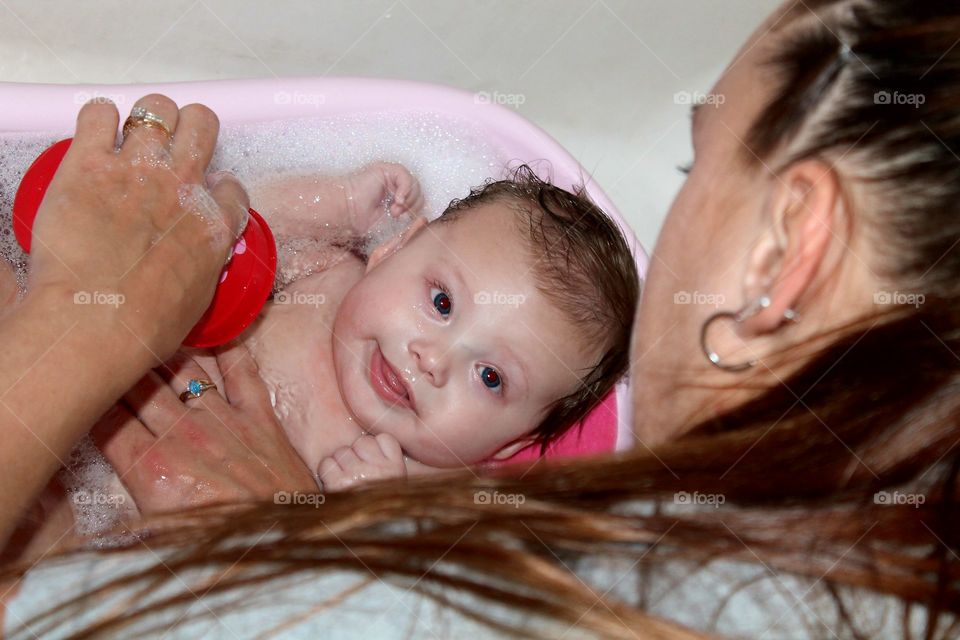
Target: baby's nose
(430,362)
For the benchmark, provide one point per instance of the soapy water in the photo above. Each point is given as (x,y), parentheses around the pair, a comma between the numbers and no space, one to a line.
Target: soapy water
(447,155)
(97,497)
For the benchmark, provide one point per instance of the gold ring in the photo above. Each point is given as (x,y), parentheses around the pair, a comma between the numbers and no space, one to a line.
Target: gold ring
(141,117)
(196,388)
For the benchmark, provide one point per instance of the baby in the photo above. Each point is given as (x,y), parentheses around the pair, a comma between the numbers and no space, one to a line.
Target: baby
(458,341)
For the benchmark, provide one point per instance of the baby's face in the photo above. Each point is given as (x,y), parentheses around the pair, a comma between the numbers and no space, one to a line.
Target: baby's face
(455,314)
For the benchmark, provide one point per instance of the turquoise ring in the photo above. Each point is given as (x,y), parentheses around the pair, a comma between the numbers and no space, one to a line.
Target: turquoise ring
(196,388)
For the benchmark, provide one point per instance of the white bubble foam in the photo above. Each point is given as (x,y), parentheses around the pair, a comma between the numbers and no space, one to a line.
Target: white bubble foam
(16,154)
(447,155)
(97,498)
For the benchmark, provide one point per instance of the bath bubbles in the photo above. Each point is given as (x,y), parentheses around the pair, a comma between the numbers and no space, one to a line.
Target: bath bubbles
(16,155)
(98,499)
(447,155)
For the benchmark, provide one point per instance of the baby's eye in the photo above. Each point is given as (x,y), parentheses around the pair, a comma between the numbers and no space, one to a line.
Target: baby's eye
(441,301)
(491,379)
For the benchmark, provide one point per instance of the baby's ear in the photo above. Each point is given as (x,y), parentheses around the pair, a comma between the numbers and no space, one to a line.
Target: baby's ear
(509,450)
(392,245)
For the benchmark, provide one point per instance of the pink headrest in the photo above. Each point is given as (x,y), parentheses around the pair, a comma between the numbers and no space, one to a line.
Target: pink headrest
(596,433)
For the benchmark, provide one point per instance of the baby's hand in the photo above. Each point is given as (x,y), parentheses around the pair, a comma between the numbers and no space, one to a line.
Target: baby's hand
(369,458)
(369,188)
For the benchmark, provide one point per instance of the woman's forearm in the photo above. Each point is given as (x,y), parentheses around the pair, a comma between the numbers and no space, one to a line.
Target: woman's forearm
(47,353)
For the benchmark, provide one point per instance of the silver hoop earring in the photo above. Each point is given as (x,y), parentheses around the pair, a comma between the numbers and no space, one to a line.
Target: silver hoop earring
(737,316)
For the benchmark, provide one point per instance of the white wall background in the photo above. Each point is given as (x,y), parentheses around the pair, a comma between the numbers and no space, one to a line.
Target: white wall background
(599,75)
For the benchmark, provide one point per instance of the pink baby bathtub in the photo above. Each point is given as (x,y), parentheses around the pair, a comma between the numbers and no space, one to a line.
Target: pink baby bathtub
(53,109)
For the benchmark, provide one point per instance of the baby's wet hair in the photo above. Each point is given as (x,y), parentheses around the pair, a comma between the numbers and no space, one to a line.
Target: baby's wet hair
(582,264)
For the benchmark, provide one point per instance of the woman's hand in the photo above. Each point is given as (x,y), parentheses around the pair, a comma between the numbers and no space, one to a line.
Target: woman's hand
(172,455)
(113,223)
(137,226)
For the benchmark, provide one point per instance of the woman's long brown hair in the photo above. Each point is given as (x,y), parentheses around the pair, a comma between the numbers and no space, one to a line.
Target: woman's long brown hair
(809,471)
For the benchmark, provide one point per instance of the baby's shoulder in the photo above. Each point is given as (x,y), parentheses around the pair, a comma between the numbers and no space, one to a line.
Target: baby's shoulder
(330,275)
(349,261)
(299,258)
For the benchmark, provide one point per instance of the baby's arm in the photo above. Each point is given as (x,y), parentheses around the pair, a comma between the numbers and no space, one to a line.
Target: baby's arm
(304,206)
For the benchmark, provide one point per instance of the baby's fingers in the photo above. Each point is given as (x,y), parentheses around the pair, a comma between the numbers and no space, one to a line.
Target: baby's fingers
(330,473)
(368,449)
(409,198)
(389,447)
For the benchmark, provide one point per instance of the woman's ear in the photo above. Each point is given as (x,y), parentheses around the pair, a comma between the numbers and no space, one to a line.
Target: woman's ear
(510,449)
(392,245)
(805,208)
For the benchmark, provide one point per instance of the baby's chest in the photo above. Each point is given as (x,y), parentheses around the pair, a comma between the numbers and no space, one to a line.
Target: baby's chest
(325,410)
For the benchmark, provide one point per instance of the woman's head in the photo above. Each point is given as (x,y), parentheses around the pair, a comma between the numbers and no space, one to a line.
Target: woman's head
(508,319)
(825,180)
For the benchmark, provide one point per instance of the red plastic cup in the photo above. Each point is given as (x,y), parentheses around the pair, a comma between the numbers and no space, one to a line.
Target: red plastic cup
(245,282)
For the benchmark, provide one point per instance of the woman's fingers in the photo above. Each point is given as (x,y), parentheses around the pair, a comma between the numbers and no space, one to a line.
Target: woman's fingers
(179,369)
(242,383)
(150,143)
(155,404)
(178,378)
(233,200)
(122,439)
(96,127)
(194,141)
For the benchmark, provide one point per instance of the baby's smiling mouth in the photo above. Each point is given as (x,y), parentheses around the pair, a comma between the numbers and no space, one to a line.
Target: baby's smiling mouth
(388,383)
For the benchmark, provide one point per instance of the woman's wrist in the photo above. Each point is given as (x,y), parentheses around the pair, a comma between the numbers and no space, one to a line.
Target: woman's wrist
(90,323)
(65,364)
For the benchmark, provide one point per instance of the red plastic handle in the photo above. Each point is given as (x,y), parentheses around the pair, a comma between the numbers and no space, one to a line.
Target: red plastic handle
(245,283)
